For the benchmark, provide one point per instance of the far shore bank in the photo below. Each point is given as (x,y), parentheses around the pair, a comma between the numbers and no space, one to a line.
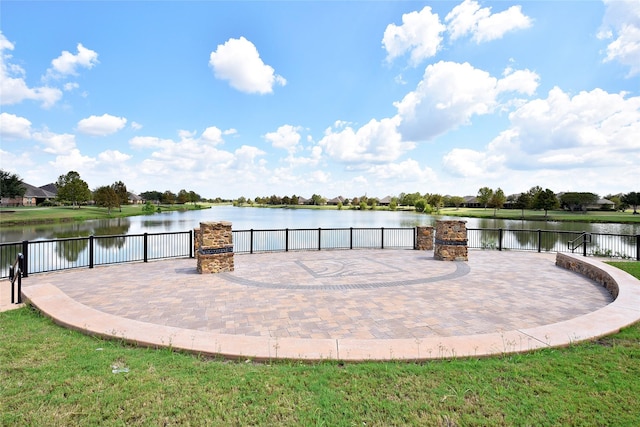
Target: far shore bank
(20,216)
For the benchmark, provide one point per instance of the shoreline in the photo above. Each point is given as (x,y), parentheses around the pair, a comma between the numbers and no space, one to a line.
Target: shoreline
(92,213)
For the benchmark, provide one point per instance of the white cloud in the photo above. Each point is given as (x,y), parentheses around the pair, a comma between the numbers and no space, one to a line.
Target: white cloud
(286,137)
(73,161)
(136,126)
(469,18)
(467,163)
(238,61)
(70,86)
(451,93)
(55,143)
(14,127)
(212,135)
(407,172)
(113,156)
(375,142)
(420,34)
(13,87)
(585,121)
(592,130)
(622,24)
(101,125)
(67,63)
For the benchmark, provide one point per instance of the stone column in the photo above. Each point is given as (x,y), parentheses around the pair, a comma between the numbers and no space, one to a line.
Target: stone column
(424,238)
(215,252)
(451,241)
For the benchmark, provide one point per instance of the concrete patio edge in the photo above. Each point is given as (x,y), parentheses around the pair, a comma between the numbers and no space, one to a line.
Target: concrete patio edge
(622,312)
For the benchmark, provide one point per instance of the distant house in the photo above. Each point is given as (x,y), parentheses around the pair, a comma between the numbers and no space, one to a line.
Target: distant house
(33,195)
(602,204)
(303,200)
(471,202)
(134,199)
(385,201)
(335,201)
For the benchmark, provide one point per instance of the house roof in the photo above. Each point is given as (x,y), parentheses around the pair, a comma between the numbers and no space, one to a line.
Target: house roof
(38,192)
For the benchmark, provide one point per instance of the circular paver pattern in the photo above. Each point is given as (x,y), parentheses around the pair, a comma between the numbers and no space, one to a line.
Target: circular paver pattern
(360,294)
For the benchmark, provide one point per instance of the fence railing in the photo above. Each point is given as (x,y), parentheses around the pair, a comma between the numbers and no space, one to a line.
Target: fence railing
(251,241)
(41,256)
(51,255)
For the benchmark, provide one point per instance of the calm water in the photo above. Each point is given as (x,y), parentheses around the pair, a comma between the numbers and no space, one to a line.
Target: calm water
(260,219)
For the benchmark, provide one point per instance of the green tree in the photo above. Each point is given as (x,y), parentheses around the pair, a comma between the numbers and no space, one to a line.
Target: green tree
(456,201)
(578,201)
(122,193)
(72,188)
(420,205)
(183,197)
(194,197)
(484,196)
(168,198)
(497,200)
(339,206)
(106,197)
(436,201)
(11,185)
(409,199)
(393,204)
(522,202)
(152,196)
(316,199)
(546,200)
(632,199)
(148,207)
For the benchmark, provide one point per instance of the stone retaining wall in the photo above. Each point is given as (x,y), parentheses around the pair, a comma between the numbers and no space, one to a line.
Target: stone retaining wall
(588,270)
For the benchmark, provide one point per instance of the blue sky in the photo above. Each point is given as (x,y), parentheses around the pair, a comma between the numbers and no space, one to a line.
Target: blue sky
(336,98)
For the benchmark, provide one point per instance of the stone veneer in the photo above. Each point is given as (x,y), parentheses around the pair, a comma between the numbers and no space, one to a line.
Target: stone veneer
(451,241)
(424,238)
(588,269)
(214,247)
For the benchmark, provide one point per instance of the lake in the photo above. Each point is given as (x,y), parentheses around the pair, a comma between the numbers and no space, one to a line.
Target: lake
(272,218)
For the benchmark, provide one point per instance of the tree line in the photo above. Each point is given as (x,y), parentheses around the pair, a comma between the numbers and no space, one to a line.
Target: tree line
(72,189)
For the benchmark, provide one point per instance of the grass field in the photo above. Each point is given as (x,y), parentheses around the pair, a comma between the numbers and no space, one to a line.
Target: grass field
(56,377)
(34,215)
(533,215)
(31,215)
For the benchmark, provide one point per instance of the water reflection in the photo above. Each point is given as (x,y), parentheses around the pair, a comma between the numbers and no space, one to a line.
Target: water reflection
(267,219)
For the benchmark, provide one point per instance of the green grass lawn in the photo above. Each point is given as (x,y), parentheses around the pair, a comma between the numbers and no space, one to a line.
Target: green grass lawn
(534,215)
(56,377)
(31,215)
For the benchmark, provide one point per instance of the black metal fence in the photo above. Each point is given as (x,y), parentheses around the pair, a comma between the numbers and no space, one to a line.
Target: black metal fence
(60,254)
(42,256)
(251,241)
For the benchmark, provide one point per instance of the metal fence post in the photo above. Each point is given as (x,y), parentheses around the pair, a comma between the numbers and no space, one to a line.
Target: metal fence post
(350,237)
(539,240)
(21,265)
(191,237)
(251,241)
(286,240)
(91,241)
(637,247)
(319,239)
(382,238)
(500,239)
(145,247)
(25,258)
